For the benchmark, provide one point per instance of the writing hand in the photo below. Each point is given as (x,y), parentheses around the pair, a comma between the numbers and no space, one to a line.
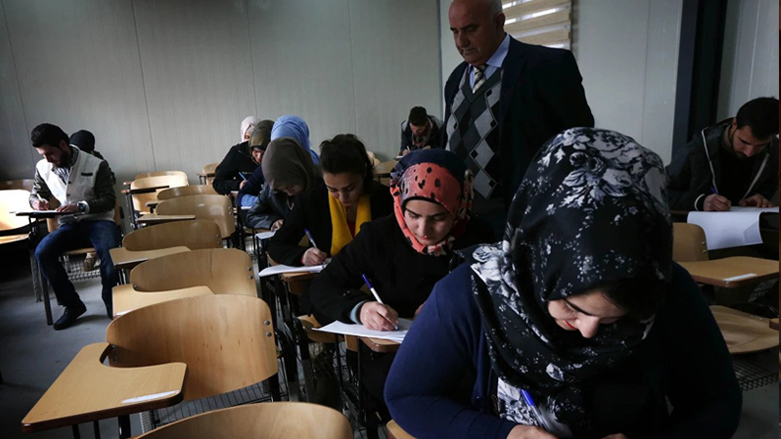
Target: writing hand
(313,256)
(39,204)
(529,432)
(716,203)
(378,317)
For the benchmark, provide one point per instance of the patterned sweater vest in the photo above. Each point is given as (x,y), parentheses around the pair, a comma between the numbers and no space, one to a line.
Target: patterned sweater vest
(473,135)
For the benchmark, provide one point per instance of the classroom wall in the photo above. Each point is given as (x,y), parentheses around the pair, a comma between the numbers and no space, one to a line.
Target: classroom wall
(749,65)
(165,84)
(627,52)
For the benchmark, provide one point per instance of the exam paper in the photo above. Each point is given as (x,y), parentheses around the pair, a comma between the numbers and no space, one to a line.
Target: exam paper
(736,228)
(266,235)
(281,269)
(361,331)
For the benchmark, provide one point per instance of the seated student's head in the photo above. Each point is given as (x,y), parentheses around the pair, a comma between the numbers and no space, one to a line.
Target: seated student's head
(432,199)
(418,121)
(754,126)
(258,142)
(52,144)
(347,169)
(287,168)
(585,261)
(292,126)
(247,126)
(84,140)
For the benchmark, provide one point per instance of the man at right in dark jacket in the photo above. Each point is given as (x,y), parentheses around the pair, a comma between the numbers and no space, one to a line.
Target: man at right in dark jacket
(733,163)
(503,102)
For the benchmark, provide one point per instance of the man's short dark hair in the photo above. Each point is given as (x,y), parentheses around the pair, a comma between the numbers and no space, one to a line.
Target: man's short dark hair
(84,140)
(47,134)
(761,115)
(418,116)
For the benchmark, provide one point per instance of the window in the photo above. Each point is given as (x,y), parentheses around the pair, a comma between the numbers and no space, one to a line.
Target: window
(544,22)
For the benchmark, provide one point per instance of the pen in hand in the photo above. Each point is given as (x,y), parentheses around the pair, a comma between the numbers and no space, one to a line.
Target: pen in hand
(536,411)
(311,240)
(376,295)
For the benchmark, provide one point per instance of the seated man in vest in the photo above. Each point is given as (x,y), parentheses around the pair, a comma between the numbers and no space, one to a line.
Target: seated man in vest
(420,131)
(82,184)
(733,163)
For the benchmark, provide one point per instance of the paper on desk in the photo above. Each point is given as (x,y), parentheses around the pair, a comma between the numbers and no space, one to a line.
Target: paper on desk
(729,229)
(40,212)
(282,269)
(266,235)
(361,331)
(754,209)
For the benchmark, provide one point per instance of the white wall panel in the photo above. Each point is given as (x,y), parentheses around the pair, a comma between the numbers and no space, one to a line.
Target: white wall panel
(750,57)
(78,67)
(302,63)
(18,157)
(395,48)
(198,74)
(450,56)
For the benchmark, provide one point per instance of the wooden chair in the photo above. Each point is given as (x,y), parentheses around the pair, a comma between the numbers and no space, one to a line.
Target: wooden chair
(216,208)
(274,420)
(12,227)
(193,234)
(396,432)
(207,173)
(24,184)
(689,243)
(186,274)
(226,341)
(185,191)
(138,186)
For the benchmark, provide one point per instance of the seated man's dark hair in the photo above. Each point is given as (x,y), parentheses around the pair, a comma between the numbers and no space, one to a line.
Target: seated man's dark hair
(418,116)
(761,115)
(47,134)
(345,153)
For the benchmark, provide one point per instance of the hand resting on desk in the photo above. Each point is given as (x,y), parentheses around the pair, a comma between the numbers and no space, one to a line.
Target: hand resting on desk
(755,200)
(68,208)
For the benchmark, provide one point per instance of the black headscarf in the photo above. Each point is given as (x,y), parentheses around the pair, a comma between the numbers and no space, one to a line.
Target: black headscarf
(590,210)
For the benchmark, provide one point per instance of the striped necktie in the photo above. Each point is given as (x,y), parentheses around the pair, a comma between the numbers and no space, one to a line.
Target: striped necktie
(479,77)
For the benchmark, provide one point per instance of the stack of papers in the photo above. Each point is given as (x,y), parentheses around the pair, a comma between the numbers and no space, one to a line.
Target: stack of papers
(361,331)
(736,228)
(282,269)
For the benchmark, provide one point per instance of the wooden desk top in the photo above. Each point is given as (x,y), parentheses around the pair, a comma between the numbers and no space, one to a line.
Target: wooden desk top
(145,190)
(127,259)
(383,169)
(127,299)
(732,272)
(380,344)
(744,332)
(13,238)
(153,218)
(297,283)
(205,174)
(88,390)
(395,432)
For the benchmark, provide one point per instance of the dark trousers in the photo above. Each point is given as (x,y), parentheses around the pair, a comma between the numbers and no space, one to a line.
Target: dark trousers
(102,235)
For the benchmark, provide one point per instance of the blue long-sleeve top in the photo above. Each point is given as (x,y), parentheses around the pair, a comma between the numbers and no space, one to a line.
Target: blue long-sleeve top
(684,359)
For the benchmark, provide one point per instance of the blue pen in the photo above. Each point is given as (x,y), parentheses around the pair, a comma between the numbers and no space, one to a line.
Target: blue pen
(714,190)
(530,402)
(243,175)
(311,240)
(374,293)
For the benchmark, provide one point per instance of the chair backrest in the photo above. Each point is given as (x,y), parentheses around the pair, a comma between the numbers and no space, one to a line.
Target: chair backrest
(217,208)
(271,420)
(158,174)
(194,234)
(13,200)
(224,270)
(689,243)
(211,168)
(24,184)
(174,179)
(186,191)
(226,341)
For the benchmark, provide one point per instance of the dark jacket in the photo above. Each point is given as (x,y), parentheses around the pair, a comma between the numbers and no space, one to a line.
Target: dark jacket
(434,140)
(402,277)
(312,212)
(684,359)
(237,160)
(695,169)
(270,207)
(541,96)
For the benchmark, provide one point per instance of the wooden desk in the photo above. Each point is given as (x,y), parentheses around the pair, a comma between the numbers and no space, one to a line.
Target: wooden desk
(88,390)
(380,345)
(145,190)
(127,299)
(152,204)
(395,432)
(153,218)
(384,169)
(125,259)
(744,332)
(297,283)
(729,272)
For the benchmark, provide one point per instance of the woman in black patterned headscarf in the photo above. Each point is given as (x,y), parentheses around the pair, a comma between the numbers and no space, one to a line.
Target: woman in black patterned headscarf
(580,309)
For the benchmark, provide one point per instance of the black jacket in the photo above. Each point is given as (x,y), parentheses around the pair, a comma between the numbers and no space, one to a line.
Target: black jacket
(312,212)
(226,176)
(402,277)
(434,140)
(270,207)
(695,169)
(541,96)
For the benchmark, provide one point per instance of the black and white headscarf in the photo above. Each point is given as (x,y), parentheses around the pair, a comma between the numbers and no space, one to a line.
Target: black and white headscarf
(591,209)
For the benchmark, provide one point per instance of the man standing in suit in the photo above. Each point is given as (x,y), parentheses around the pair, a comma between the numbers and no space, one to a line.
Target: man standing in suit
(504,101)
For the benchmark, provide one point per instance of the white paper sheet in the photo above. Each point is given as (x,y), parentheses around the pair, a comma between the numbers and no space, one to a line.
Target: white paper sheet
(361,331)
(729,229)
(39,212)
(281,269)
(754,209)
(266,235)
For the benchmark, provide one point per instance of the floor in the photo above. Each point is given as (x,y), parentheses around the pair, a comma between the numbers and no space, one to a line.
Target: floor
(32,355)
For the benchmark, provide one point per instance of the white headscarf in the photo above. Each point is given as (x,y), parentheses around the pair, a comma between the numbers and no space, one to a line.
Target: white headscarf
(249,121)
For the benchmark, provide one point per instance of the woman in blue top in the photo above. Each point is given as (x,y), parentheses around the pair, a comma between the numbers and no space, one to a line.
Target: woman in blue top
(580,306)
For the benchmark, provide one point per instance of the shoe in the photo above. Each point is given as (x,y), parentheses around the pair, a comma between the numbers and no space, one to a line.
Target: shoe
(69,316)
(90,261)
